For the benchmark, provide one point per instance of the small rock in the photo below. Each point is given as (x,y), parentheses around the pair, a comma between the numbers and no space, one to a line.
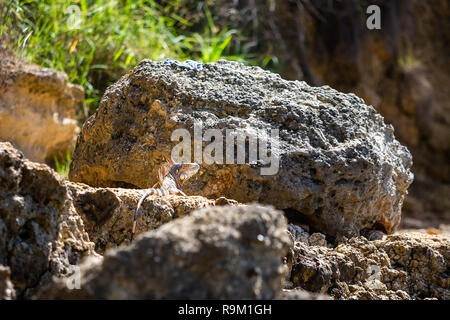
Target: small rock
(298,234)
(318,239)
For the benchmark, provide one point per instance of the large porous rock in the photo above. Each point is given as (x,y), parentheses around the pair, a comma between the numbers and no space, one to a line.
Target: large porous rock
(226,252)
(340,166)
(403,266)
(37,109)
(41,235)
(108,213)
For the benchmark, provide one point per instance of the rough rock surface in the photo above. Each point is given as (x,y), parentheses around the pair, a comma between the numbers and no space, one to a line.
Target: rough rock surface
(41,234)
(227,252)
(341,168)
(37,109)
(108,213)
(403,266)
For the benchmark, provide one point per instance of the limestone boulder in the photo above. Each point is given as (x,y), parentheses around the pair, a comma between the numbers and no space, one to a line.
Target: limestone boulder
(340,167)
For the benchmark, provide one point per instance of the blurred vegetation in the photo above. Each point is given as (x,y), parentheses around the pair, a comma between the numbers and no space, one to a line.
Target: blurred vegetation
(408,61)
(62,165)
(96,42)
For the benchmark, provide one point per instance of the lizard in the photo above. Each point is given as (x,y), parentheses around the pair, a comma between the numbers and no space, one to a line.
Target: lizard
(171,177)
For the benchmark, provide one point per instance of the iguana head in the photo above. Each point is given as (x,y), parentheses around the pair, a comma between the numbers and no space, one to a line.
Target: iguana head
(180,172)
(185,171)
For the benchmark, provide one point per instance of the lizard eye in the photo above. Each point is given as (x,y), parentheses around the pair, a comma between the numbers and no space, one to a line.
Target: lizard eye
(183,176)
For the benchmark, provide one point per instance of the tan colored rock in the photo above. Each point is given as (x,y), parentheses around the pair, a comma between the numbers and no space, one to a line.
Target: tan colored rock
(41,235)
(37,109)
(108,212)
(411,265)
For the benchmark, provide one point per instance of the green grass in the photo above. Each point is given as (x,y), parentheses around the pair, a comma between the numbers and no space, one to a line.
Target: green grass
(408,61)
(95,42)
(63,165)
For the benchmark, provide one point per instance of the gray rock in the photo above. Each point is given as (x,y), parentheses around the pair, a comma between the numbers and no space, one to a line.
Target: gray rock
(297,233)
(341,167)
(227,252)
(40,233)
(318,239)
